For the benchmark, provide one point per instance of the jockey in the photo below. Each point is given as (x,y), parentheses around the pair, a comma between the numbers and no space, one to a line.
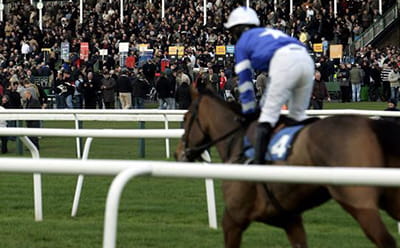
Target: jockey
(289,67)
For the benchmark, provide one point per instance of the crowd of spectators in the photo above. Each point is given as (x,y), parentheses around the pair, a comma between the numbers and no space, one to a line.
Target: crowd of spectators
(92,83)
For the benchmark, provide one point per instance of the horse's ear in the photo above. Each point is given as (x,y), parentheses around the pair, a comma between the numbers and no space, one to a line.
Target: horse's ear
(194,92)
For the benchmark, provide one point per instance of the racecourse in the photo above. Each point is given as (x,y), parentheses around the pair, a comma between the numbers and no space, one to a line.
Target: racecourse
(154,212)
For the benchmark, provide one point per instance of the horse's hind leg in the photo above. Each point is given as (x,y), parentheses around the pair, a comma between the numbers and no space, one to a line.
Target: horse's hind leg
(361,203)
(295,231)
(233,230)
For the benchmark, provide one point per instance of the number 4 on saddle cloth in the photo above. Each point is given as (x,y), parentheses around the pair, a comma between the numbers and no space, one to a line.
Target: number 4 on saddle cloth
(279,146)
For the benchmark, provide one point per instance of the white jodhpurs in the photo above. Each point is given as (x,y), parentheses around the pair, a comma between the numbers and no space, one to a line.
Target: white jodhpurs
(291,81)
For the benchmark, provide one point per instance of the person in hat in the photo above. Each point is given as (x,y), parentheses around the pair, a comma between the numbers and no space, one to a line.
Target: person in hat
(392,106)
(289,67)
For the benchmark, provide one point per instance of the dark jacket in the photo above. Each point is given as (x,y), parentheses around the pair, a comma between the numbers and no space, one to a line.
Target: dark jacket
(183,97)
(320,92)
(140,87)
(33,103)
(108,88)
(162,87)
(124,84)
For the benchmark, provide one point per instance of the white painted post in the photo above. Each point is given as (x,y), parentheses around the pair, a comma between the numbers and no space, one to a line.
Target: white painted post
(162,9)
(40,7)
(380,7)
(112,202)
(335,8)
(77,139)
(79,183)
(167,150)
(204,12)
(291,7)
(37,180)
(1,10)
(121,11)
(211,208)
(248,3)
(80,11)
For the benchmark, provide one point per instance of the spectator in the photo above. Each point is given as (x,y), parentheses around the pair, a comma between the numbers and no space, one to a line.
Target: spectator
(319,93)
(385,82)
(394,77)
(163,91)
(141,87)
(183,97)
(124,88)
(3,124)
(89,91)
(77,99)
(392,106)
(375,82)
(356,77)
(221,86)
(32,103)
(343,76)
(108,85)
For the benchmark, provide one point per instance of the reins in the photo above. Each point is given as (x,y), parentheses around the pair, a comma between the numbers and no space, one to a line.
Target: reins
(199,149)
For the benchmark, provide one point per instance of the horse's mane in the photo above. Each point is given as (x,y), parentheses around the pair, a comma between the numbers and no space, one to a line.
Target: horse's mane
(232,105)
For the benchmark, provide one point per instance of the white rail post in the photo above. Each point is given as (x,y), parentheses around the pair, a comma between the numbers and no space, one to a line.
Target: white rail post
(211,209)
(112,202)
(79,183)
(167,150)
(37,180)
(78,139)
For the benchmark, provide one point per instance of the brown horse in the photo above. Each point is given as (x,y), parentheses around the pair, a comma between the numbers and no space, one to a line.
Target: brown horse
(352,141)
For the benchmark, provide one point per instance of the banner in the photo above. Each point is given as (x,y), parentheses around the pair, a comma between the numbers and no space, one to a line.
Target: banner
(124,47)
(84,53)
(317,47)
(144,56)
(103,52)
(143,47)
(181,51)
(230,49)
(172,50)
(65,51)
(220,50)
(336,51)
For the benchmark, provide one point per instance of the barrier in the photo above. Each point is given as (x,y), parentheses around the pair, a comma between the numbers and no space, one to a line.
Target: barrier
(79,115)
(90,134)
(125,170)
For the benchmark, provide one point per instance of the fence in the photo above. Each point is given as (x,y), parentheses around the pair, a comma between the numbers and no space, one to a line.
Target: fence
(126,170)
(79,115)
(382,177)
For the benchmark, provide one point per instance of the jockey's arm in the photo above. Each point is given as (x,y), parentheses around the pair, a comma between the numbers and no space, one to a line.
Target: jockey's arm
(246,89)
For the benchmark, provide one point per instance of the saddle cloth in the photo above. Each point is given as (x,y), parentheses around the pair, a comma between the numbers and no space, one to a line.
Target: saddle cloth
(279,146)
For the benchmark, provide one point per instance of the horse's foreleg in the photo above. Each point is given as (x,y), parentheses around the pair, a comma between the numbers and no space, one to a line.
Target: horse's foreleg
(233,230)
(295,231)
(372,225)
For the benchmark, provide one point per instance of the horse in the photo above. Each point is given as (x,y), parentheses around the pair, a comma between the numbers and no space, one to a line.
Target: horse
(341,141)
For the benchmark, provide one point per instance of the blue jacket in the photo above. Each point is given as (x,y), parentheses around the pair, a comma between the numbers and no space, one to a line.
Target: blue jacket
(254,51)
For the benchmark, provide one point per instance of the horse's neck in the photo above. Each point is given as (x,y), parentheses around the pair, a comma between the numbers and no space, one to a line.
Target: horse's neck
(229,148)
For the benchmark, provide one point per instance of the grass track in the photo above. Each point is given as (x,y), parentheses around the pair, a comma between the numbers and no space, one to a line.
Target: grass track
(154,212)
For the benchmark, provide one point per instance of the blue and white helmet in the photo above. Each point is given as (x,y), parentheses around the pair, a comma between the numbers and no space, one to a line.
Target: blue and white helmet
(242,16)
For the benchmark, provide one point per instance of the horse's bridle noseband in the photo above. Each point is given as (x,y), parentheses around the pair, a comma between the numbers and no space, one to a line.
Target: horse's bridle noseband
(192,153)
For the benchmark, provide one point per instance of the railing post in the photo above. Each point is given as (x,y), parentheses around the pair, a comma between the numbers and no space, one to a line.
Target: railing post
(18,143)
(112,202)
(142,148)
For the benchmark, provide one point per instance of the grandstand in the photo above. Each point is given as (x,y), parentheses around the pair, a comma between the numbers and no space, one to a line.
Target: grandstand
(189,36)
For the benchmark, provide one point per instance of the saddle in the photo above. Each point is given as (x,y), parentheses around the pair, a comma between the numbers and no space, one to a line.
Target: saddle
(279,147)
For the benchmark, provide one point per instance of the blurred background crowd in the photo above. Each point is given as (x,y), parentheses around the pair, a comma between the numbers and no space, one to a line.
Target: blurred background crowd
(30,58)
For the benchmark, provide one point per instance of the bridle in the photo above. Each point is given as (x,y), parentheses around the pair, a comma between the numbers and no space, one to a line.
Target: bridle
(192,153)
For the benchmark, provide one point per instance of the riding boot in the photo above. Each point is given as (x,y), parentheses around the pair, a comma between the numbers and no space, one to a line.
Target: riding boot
(263,135)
